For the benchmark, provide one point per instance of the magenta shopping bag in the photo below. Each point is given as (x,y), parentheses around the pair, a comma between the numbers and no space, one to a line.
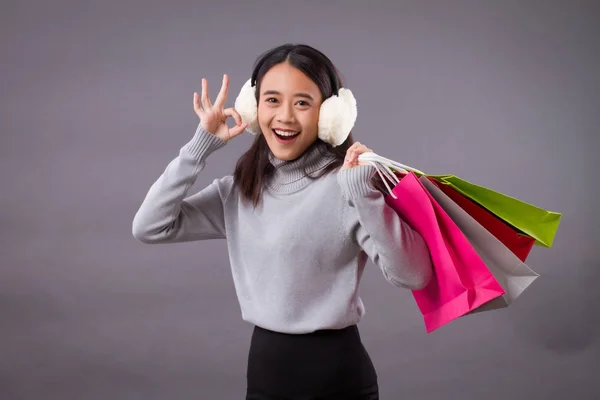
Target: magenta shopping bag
(461,282)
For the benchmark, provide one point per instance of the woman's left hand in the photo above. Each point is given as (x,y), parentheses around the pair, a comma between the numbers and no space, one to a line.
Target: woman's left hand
(352,154)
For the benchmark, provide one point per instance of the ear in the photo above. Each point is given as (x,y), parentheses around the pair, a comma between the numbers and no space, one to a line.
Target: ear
(245,105)
(337,117)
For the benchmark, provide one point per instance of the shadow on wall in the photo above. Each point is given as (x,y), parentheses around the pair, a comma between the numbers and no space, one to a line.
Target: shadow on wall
(565,316)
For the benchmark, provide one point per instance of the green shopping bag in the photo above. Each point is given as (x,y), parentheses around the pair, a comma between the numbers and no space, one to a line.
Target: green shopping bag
(534,221)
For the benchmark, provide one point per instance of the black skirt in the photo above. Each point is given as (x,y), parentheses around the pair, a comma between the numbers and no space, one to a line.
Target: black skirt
(323,365)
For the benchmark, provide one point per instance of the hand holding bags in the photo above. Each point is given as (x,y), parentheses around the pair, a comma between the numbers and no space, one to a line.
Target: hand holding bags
(471,263)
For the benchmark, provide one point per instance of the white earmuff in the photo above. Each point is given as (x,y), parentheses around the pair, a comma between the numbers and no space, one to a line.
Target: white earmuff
(337,114)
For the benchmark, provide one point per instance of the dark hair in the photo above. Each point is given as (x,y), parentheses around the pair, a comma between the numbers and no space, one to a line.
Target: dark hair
(254,168)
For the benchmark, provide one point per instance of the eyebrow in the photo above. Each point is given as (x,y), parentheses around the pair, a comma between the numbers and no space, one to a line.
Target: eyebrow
(305,95)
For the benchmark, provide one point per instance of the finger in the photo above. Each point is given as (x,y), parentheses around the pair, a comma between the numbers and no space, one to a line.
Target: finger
(197,108)
(236,130)
(350,150)
(205,97)
(363,149)
(232,112)
(222,96)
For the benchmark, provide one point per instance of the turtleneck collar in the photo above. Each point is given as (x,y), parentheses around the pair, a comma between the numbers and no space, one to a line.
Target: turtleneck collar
(291,176)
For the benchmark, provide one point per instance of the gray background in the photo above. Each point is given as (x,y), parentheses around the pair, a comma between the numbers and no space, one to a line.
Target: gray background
(97,99)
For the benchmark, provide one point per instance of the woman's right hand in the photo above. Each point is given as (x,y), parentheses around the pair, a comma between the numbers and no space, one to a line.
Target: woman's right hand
(213,118)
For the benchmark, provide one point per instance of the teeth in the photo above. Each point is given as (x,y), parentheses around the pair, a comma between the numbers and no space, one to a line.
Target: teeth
(284,133)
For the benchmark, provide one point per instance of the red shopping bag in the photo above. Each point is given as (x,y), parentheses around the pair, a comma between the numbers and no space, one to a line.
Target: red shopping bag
(461,282)
(519,243)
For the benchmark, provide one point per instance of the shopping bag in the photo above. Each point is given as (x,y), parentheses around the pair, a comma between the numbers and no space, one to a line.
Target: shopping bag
(536,222)
(520,244)
(461,282)
(513,274)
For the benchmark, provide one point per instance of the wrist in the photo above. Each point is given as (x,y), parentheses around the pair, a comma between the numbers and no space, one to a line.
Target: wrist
(357,181)
(203,142)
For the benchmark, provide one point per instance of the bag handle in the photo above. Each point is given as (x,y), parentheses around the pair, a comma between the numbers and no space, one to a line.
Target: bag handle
(370,156)
(382,170)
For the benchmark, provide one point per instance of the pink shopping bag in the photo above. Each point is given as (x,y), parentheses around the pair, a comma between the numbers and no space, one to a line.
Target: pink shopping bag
(461,282)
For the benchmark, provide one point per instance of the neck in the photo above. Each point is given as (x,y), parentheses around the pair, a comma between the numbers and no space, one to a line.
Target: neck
(293,175)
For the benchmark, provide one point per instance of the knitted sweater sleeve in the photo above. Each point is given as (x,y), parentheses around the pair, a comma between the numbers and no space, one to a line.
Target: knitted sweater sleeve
(167,214)
(400,252)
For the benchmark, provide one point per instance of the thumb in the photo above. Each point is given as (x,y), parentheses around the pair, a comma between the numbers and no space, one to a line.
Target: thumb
(238,129)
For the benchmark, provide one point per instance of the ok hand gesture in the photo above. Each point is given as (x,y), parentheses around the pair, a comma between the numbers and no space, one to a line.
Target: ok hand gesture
(213,118)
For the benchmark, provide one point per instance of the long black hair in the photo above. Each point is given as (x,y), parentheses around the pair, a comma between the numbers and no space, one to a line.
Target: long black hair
(254,168)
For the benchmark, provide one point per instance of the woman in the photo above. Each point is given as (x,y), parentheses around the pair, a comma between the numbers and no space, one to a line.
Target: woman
(301,217)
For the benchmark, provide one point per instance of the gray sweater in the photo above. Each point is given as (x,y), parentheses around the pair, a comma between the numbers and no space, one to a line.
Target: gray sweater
(298,258)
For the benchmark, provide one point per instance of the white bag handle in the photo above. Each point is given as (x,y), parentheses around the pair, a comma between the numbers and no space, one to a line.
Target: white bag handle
(370,156)
(381,174)
(387,172)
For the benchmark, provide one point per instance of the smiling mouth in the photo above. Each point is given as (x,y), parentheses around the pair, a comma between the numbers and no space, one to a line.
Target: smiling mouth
(285,135)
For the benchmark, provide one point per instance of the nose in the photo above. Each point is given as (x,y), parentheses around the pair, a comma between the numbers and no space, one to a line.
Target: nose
(286,114)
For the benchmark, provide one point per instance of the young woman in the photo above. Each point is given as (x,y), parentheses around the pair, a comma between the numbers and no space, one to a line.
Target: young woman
(301,217)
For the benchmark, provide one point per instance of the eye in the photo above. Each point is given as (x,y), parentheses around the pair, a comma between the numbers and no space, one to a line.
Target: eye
(303,103)
(271,100)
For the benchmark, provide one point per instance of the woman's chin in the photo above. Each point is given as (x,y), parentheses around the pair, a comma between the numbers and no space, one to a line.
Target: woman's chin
(287,152)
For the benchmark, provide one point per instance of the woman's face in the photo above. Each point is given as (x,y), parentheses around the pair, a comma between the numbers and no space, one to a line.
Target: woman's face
(288,111)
